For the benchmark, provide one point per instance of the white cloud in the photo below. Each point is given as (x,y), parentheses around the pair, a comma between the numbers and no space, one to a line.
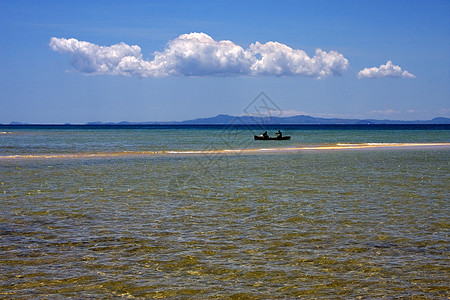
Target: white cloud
(279,59)
(387,70)
(197,54)
(384,112)
(88,58)
(414,111)
(292,113)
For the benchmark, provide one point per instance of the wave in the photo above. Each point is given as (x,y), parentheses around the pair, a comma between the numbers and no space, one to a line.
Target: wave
(339,146)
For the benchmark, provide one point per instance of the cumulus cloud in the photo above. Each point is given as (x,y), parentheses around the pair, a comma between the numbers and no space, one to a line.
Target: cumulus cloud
(88,58)
(387,70)
(279,59)
(197,54)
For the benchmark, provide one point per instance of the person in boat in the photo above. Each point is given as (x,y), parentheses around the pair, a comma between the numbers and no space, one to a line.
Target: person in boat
(265,135)
(279,134)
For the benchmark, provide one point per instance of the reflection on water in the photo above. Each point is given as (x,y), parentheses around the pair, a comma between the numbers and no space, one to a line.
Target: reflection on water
(316,224)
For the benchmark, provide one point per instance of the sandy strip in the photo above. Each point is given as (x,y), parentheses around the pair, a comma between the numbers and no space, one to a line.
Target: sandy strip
(381,146)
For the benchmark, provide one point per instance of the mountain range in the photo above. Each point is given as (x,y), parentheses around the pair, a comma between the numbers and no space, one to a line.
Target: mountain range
(303,119)
(300,119)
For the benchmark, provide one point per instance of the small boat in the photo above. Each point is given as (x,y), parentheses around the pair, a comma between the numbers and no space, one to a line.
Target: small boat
(261,137)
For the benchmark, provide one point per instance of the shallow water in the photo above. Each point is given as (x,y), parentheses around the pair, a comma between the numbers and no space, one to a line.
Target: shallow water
(322,224)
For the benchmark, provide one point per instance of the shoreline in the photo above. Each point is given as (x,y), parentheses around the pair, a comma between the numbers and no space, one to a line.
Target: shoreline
(338,147)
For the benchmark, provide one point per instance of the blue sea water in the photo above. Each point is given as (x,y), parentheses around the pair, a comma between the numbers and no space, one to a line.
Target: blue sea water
(164,212)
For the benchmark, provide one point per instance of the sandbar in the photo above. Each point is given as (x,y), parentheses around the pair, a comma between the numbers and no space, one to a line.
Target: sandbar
(338,147)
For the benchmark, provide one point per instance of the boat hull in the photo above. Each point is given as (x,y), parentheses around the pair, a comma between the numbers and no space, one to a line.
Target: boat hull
(260,137)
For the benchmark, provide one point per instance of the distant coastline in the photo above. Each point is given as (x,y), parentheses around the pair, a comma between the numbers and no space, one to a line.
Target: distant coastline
(254,120)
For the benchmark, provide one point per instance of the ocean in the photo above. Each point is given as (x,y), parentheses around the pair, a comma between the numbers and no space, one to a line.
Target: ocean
(207,212)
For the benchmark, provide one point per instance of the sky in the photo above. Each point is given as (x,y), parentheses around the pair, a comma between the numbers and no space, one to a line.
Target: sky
(112,61)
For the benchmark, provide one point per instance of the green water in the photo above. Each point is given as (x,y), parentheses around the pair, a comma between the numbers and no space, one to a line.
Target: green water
(312,224)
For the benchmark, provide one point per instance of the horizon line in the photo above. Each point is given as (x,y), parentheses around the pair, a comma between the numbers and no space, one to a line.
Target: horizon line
(198,121)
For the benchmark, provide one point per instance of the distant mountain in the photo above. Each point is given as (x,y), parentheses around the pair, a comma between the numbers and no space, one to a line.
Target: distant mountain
(252,120)
(302,119)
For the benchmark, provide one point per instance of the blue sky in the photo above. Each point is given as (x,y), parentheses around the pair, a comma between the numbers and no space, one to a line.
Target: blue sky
(379,59)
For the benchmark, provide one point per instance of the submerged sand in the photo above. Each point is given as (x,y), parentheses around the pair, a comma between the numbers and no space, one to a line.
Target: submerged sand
(360,146)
